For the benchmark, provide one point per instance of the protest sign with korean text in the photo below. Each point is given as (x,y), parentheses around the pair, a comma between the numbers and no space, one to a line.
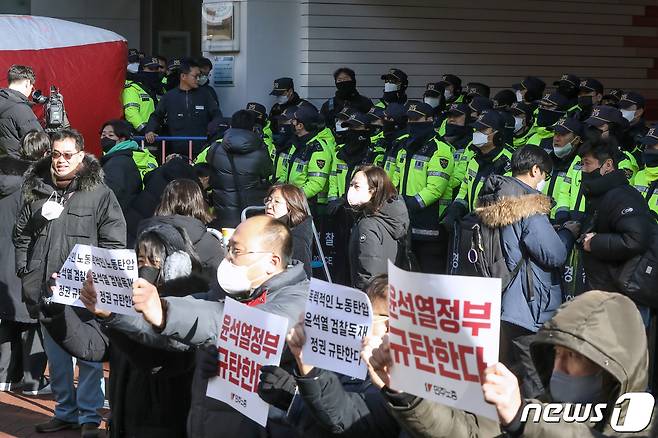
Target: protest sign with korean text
(248,339)
(336,320)
(113,273)
(444,331)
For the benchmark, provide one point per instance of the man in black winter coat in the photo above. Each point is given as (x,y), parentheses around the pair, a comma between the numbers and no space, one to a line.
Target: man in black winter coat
(186,109)
(241,168)
(619,221)
(16,116)
(346,96)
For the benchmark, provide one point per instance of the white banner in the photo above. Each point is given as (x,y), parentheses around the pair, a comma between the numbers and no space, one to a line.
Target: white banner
(336,320)
(444,331)
(248,339)
(113,272)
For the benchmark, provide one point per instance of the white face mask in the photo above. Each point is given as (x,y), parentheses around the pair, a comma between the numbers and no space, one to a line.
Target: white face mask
(234,279)
(432,101)
(281,99)
(563,151)
(133,67)
(540,185)
(203,80)
(358,197)
(519,96)
(480,139)
(51,209)
(518,123)
(447,94)
(628,115)
(390,87)
(339,127)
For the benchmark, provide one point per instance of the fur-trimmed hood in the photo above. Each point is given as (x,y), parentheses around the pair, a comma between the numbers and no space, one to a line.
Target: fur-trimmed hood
(38,179)
(506,200)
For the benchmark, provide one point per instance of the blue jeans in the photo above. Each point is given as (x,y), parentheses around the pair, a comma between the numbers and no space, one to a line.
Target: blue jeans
(75,406)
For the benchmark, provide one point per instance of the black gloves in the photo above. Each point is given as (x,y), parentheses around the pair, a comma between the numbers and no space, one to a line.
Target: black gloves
(335,205)
(276,387)
(412,203)
(206,360)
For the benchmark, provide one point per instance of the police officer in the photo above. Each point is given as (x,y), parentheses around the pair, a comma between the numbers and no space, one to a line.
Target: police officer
(263,125)
(646,180)
(284,92)
(529,89)
(395,132)
(187,111)
(567,138)
(612,97)
(424,167)
(452,89)
(590,94)
(346,96)
(552,108)
(569,85)
(476,89)
(502,102)
(310,157)
(491,158)
(339,130)
(479,104)
(604,123)
(139,94)
(631,106)
(375,118)
(459,134)
(172,78)
(283,142)
(395,87)
(523,113)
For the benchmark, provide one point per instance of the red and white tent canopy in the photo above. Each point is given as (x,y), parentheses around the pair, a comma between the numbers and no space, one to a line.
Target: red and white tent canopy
(86,63)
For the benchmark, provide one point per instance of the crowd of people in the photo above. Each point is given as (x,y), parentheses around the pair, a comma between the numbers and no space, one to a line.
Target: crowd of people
(552,190)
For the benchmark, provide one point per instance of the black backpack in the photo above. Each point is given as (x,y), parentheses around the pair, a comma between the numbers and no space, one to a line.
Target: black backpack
(477,251)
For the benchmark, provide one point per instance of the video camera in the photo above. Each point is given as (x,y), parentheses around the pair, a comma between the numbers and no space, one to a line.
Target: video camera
(54,114)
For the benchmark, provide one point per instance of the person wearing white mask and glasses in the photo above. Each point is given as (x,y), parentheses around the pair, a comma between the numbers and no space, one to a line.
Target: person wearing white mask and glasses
(631,106)
(259,272)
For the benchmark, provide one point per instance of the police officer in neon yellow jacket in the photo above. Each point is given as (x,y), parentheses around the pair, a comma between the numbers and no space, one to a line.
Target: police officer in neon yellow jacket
(458,134)
(608,122)
(263,124)
(552,107)
(395,87)
(139,95)
(523,113)
(646,180)
(492,157)
(311,155)
(424,167)
(395,134)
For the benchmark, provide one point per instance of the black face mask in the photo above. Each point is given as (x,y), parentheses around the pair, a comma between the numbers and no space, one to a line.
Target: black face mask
(284,135)
(420,129)
(457,131)
(546,117)
(593,134)
(585,101)
(568,91)
(392,96)
(151,79)
(345,89)
(392,126)
(107,143)
(588,177)
(357,140)
(149,273)
(650,157)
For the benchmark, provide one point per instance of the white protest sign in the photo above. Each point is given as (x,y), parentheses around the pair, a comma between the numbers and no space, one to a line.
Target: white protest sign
(336,320)
(444,331)
(248,339)
(113,272)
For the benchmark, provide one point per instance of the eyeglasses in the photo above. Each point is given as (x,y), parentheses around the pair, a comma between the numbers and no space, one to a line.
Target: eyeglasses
(270,200)
(67,155)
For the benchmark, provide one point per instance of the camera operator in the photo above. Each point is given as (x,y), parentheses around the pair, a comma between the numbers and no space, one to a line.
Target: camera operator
(16,116)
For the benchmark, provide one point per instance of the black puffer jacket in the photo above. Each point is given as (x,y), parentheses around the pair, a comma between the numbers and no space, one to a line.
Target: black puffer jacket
(149,387)
(207,246)
(91,216)
(144,204)
(122,176)
(247,186)
(12,307)
(16,120)
(374,240)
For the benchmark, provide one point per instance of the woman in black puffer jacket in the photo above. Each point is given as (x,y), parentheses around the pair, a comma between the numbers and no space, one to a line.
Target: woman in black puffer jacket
(241,169)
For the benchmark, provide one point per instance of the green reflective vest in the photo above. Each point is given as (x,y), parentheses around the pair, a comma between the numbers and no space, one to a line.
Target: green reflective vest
(342,172)
(137,105)
(309,167)
(563,181)
(391,158)
(646,182)
(478,170)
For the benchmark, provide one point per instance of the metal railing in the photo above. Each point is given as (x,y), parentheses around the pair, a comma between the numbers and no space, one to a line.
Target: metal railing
(163,139)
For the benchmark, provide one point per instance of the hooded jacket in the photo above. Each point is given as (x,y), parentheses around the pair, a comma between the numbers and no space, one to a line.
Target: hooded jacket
(121,173)
(12,307)
(91,216)
(16,120)
(521,213)
(375,239)
(616,344)
(241,169)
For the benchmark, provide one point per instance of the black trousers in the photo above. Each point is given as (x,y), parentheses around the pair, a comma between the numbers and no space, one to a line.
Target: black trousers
(21,354)
(431,255)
